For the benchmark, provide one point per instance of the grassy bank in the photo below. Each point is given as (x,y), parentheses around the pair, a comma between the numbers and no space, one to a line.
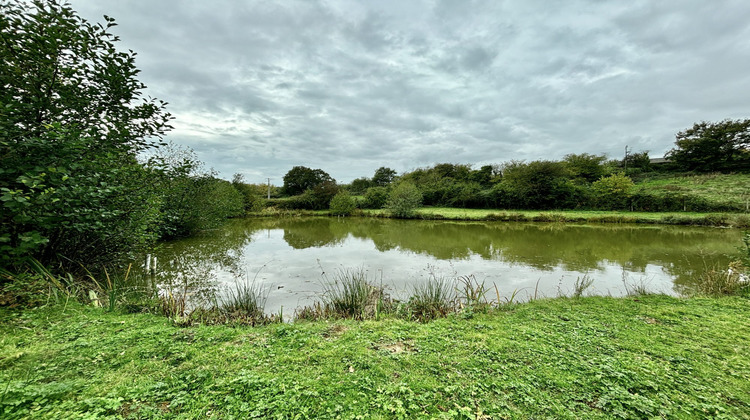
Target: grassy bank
(715,188)
(594,357)
(579,216)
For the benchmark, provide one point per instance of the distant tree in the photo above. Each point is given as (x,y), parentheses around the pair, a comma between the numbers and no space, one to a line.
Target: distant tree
(404,200)
(637,161)
(383,176)
(485,176)
(360,185)
(586,167)
(713,146)
(300,178)
(319,197)
(537,185)
(252,196)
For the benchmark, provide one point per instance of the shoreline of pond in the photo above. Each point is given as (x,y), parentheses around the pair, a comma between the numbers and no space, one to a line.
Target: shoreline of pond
(725,220)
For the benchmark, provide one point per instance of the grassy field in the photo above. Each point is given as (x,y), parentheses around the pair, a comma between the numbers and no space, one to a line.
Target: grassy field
(733,188)
(593,357)
(579,216)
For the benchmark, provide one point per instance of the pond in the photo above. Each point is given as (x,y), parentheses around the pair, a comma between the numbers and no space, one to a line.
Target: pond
(292,258)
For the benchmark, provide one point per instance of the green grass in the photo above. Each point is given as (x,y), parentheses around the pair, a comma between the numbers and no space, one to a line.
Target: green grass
(593,357)
(580,216)
(734,188)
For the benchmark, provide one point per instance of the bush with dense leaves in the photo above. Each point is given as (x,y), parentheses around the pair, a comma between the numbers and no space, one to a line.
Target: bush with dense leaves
(72,124)
(404,200)
(342,204)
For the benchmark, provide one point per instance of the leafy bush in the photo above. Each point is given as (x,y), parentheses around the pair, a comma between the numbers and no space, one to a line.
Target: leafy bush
(73,122)
(538,185)
(375,197)
(612,192)
(342,204)
(404,200)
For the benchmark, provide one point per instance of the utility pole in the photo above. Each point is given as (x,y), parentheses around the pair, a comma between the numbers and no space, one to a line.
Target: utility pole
(269,188)
(626,159)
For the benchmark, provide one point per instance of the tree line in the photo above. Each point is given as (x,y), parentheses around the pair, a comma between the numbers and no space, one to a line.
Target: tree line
(578,181)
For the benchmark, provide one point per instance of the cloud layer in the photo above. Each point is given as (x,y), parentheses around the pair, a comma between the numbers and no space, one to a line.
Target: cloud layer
(258,87)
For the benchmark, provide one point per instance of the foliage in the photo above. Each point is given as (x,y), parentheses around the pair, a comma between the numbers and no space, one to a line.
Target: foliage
(383,177)
(585,167)
(640,162)
(319,197)
(71,124)
(191,198)
(404,200)
(360,185)
(342,204)
(713,146)
(537,185)
(613,192)
(252,195)
(375,197)
(300,179)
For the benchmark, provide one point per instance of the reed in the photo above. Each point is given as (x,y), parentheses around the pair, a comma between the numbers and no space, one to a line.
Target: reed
(246,300)
(581,284)
(432,299)
(350,294)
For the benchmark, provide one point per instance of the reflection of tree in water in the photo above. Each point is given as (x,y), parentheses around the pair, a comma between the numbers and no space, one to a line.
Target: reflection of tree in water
(682,251)
(190,261)
(313,232)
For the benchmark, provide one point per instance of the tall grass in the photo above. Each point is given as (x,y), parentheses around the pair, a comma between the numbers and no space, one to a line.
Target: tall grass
(715,281)
(432,299)
(246,300)
(472,292)
(351,295)
(581,285)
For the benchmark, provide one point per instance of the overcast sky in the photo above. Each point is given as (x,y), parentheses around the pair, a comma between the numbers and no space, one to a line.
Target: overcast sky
(258,87)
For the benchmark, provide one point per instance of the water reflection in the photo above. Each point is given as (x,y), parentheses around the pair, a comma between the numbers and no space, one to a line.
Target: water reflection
(291,253)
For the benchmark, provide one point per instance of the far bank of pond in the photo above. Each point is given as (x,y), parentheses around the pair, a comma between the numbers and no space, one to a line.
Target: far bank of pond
(293,257)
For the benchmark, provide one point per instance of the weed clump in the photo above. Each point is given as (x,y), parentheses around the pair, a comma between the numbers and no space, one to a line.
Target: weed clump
(433,299)
(349,295)
(733,281)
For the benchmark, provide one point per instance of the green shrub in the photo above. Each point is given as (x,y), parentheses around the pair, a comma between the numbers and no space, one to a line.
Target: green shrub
(612,192)
(404,200)
(375,198)
(342,204)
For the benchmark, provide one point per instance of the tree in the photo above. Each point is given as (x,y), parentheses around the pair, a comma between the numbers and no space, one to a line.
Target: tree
(300,179)
(586,167)
(71,124)
(375,197)
(537,185)
(637,161)
(404,200)
(709,147)
(360,185)
(383,176)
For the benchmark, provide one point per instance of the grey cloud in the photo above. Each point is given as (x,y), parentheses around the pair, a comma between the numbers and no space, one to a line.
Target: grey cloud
(258,87)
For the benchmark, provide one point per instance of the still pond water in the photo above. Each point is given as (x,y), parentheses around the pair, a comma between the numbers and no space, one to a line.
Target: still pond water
(292,258)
